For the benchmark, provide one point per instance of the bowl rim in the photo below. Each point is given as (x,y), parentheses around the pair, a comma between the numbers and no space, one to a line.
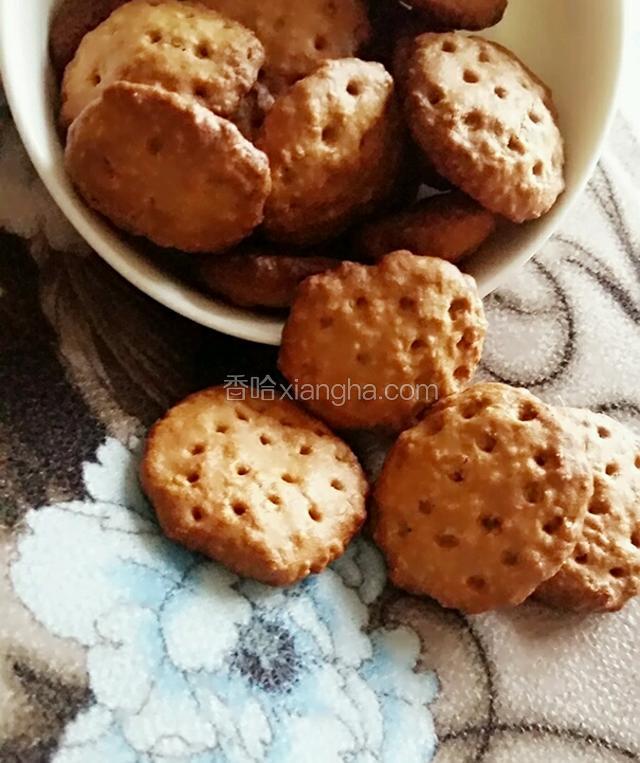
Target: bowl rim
(238,322)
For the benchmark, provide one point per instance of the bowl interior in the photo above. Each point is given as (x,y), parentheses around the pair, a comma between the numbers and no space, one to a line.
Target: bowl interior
(574,45)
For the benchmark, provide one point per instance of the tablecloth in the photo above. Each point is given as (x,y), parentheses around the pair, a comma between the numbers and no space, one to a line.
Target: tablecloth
(116,646)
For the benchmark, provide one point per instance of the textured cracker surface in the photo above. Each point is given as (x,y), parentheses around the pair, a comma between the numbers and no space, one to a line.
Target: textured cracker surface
(603,572)
(299,36)
(451,226)
(179,46)
(483,500)
(395,329)
(334,144)
(260,486)
(201,189)
(486,123)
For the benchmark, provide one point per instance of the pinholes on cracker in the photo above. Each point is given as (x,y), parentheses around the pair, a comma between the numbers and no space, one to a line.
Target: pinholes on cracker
(451,226)
(164,167)
(258,485)
(334,144)
(182,47)
(603,572)
(377,345)
(252,278)
(485,122)
(483,500)
(442,15)
(299,36)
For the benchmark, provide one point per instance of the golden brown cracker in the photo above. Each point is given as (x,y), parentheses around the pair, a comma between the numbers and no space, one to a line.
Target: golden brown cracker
(334,142)
(258,485)
(180,46)
(164,167)
(603,572)
(483,500)
(379,344)
(298,37)
(451,226)
(486,123)
(260,278)
(442,15)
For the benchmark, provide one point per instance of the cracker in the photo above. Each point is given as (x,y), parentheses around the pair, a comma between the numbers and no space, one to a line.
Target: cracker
(486,123)
(258,485)
(164,167)
(603,572)
(257,278)
(442,15)
(395,336)
(180,46)
(451,226)
(71,21)
(334,143)
(298,37)
(483,500)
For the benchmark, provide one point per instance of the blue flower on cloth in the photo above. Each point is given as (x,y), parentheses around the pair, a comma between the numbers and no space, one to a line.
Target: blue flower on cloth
(188,662)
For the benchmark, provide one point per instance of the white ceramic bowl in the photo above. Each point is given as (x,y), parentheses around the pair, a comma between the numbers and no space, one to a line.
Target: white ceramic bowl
(575,45)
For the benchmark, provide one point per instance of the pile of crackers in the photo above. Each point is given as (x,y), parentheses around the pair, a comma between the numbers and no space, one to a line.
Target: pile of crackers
(275,139)
(487,497)
(204,125)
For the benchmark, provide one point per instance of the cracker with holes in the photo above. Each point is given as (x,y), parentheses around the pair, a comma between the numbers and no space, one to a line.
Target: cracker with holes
(71,21)
(258,485)
(451,226)
(486,123)
(164,167)
(298,37)
(182,47)
(379,344)
(603,572)
(483,500)
(442,15)
(256,278)
(334,148)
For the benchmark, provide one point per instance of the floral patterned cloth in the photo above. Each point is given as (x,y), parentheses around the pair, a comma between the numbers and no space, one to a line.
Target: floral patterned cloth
(116,646)
(188,662)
